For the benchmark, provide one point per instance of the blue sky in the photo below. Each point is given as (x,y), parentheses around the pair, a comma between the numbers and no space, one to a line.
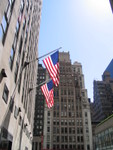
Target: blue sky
(82,27)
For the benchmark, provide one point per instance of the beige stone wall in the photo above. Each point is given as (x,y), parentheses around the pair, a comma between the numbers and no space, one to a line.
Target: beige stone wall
(7,119)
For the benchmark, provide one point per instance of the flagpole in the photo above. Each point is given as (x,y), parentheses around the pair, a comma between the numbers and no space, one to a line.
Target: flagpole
(39,84)
(27,63)
(48,53)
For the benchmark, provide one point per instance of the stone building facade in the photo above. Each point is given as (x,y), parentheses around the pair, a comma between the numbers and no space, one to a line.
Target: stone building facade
(68,124)
(19,33)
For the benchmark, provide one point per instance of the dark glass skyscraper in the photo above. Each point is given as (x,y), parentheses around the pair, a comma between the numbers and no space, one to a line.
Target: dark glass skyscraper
(103,101)
(103,95)
(110,69)
(111,3)
(39,110)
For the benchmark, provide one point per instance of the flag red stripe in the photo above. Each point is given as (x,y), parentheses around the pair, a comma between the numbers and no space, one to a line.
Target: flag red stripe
(48,95)
(53,70)
(49,66)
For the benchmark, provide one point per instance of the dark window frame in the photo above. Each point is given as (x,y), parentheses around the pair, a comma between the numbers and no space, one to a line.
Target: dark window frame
(5,94)
(16,112)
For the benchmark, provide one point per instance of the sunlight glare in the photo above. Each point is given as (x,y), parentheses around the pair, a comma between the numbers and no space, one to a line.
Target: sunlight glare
(100,6)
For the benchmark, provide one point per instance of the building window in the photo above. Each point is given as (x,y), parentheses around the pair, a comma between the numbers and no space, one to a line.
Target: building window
(78,147)
(58,139)
(73,138)
(1,33)
(11,58)
(48,113)
(78,131)
(88,147)
(3,27)
(11,104)
(85,114)
(8,10)
(62,146)
(15,41)
(78,139)
(86,121)
(47,146)
(65,130)
(4,24)
(19,83)
(48,129)
(22,5)
(16,112)
(87,131)
(70,146)
(81,138)
(20,121)
(5,93)
(16,71)
(20,45)
(6,20)
(82,146)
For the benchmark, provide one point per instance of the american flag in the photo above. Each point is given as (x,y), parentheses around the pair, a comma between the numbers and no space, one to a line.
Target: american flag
(52,65)
(47,90)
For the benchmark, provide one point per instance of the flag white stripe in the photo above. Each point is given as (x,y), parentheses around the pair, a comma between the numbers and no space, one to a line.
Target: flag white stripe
(48,95)
(51,69)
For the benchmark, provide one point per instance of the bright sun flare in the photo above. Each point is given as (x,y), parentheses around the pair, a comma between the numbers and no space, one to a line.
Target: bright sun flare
(99,6)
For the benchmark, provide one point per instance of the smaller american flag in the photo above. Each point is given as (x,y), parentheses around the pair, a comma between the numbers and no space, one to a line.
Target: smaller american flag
(47,90)
(52,65)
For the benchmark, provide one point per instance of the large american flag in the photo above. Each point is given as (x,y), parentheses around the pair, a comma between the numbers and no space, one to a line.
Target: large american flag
(52,65)
(47,90)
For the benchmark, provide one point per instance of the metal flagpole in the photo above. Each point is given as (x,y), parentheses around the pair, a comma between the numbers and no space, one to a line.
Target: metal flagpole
(27,63)
(39,84)
(49,53)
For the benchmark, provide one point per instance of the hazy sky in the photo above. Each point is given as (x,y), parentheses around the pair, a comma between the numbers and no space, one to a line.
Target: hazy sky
(82,27)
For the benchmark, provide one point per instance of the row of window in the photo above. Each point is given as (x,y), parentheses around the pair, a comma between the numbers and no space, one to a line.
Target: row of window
(104,140)
(36,145)
(68,147)
(69,121)
(70,100)
(65,130)
(67,113)
(3,28)
(64,105)
(5,97)
(67,139)
(6,20)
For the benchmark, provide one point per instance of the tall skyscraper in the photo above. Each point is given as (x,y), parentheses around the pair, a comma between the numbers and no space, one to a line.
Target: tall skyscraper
(19,33)
(68,124)
(103,95)
(111,3)
(103,101)
(39,110)
(109,69)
